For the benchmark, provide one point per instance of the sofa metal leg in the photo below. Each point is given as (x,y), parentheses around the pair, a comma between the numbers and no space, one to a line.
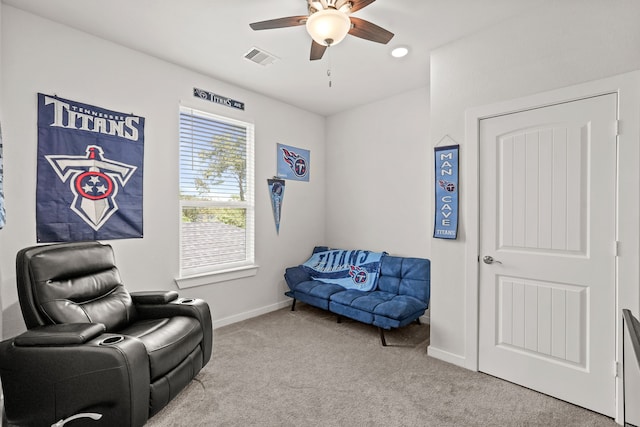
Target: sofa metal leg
(293,305)
(418,321)
(384,341)
(339,319)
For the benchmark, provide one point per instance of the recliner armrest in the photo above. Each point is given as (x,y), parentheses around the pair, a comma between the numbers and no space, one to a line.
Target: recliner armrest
(43,384)
(191,307)
(153,297)
(63,334)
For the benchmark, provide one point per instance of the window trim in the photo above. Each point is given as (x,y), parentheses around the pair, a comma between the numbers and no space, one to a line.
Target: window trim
(199,276)
(217,276)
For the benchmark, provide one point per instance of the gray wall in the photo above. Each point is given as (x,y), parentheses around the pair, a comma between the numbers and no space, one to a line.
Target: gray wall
(36,58)
(568,43)
(571,42)
(1,122)
(377,176)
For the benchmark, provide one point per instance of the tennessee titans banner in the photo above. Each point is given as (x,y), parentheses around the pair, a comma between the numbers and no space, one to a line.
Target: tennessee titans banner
(276,191)
(293,163)
(89,184)
(446,182)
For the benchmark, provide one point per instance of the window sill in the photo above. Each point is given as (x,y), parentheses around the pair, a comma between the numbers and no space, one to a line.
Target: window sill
(217,276)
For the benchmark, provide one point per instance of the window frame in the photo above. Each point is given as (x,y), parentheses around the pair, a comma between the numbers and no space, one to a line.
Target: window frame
(196,276)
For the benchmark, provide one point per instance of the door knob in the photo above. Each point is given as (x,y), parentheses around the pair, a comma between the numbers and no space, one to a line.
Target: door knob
(488,259)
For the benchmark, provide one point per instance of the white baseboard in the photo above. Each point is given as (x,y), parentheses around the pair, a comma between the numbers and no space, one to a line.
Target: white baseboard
(454,359)
(249,314)
(273,307)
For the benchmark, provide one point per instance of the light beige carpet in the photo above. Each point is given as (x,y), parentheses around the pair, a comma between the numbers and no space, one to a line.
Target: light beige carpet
(303,369)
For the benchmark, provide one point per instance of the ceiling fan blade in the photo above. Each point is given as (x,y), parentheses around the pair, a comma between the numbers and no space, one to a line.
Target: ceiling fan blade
(369,31)
(290,21)
(357,4)
(317,50)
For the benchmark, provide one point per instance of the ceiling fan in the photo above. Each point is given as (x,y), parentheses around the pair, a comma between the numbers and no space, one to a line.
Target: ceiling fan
(328,23)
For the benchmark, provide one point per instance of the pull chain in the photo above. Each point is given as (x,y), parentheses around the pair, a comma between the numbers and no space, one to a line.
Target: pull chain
(329,68)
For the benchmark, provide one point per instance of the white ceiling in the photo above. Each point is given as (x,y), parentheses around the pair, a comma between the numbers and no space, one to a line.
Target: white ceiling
(212,37)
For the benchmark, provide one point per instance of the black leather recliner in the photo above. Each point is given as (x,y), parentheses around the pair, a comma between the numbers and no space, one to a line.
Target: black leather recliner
(95,354)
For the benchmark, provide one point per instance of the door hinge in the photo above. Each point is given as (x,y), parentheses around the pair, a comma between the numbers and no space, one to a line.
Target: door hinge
(616,127)
(616,248)
(616,369)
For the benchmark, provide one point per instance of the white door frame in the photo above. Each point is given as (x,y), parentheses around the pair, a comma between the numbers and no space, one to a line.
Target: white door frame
(627,286)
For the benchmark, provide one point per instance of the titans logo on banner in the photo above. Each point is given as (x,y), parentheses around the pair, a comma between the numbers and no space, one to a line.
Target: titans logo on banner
(89,172)
(293,163)
(446,181)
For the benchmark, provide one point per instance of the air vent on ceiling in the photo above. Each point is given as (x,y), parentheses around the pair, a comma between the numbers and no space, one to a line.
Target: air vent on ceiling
(260,56)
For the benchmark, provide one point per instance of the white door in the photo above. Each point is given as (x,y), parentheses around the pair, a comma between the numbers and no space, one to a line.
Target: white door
(547,215)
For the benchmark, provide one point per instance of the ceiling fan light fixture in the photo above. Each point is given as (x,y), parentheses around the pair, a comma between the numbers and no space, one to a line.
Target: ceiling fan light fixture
(328,27)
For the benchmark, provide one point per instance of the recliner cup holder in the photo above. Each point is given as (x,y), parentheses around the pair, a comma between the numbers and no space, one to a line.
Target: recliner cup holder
(186,301)
(112,340)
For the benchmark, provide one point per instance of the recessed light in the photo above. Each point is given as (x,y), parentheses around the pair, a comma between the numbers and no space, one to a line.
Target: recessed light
(400,51)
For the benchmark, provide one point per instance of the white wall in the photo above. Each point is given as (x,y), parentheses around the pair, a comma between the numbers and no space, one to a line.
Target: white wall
(378,189)
(1,121)
(568,43)
(42,56)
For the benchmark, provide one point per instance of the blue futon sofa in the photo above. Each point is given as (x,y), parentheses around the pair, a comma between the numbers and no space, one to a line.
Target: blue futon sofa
(400,296)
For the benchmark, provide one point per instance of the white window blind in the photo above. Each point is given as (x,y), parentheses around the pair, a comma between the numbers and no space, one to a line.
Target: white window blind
(216,193)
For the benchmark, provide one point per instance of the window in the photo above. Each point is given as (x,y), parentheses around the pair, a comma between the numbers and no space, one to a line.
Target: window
(216,193)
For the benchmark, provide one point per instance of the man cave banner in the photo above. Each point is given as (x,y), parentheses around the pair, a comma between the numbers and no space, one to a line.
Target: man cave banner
(89,184)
